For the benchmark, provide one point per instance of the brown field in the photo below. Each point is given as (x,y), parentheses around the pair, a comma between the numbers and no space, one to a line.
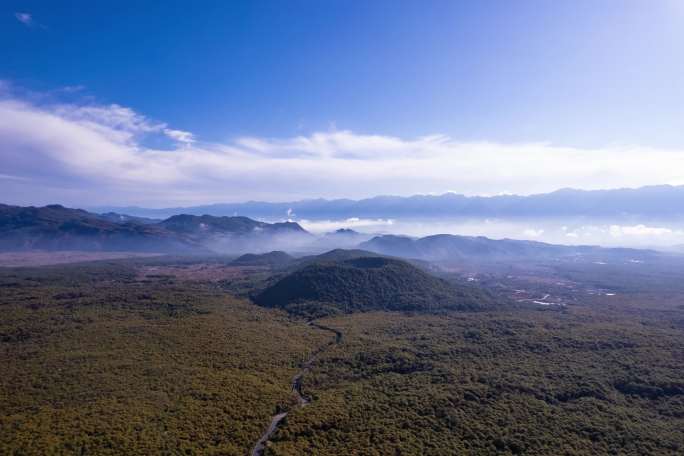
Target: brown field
(45,258)
(205,272)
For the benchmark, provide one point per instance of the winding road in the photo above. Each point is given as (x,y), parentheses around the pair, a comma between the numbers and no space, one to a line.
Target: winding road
(302,400)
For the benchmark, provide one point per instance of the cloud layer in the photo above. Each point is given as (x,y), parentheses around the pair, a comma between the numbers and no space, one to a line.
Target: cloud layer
(86,154)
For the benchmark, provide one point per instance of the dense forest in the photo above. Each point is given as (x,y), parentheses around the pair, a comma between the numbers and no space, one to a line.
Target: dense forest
(577,382)
(99,361)
(159,356)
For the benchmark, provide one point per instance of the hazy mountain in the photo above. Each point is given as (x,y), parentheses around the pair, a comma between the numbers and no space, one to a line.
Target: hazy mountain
(653,201)
(123,218)
(343,238)
(336,255)
(446,247)
(55,227)
(275,259)
(239,234)
(58,228)
(366,283)
(205,225)
(346,234)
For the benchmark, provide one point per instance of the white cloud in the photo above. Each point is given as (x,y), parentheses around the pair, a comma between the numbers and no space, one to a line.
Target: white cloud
(366,225)
(532,233)
(179,135)
(99,154)
(71,88)
(25,18)
(638,230)
(8,177)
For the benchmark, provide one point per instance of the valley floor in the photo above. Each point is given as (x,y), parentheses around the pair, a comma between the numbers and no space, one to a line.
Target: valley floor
(111,358)
(46,258)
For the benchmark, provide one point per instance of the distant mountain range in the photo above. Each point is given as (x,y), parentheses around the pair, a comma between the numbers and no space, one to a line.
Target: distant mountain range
(653,201)
(55,227)
(447,248)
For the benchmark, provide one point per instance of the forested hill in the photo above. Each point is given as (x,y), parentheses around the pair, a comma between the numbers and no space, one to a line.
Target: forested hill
(273,259)
(365,284)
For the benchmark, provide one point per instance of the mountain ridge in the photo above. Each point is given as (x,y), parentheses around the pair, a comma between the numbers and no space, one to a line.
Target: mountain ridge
(665,200)
(450,247)
(55,227)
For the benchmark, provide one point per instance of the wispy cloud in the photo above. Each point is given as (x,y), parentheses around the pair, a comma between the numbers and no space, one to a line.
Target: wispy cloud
(9,177)
(180,135)
(366,225)
(25,18)
(532,233)
(640,230)
(71,88)
(99,154)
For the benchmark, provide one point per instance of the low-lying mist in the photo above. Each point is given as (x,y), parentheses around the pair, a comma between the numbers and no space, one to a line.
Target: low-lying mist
(608,232)
(260,243)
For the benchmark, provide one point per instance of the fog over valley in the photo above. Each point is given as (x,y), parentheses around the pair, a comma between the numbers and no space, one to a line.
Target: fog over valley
(647,217)
(663,234)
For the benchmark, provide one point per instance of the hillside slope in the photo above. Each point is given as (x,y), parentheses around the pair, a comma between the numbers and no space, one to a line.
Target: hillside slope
(55,227)
(201,226)
(275,259)
(364,284)
(448,247)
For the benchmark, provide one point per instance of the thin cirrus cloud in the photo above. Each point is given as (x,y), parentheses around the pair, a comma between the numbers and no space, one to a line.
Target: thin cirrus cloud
(87,154)
(25,18)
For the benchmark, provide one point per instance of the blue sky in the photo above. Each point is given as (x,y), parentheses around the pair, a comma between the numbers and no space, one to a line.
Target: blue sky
(583,87)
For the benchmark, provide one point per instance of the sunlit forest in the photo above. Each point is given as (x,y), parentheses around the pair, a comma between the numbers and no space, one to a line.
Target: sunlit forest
(97,362)
(158,356)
